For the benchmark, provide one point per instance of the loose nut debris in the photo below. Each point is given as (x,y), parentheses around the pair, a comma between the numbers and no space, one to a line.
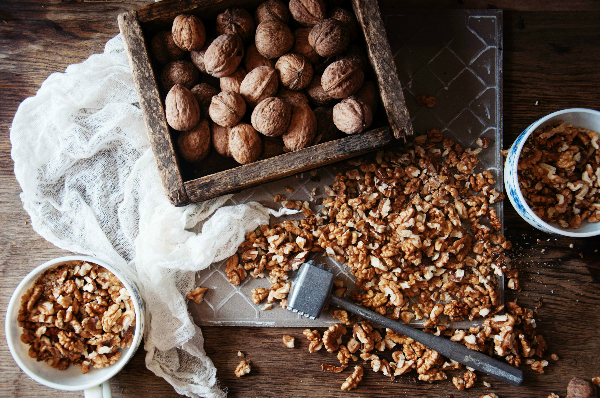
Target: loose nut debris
(244,143)
(272,10)
(194,144)
(271,116)
(294,71)
(227,108)
(353,380)
(288,341)
(224,55)
(181,108)
(307,12)
(342,79)
(302,129)
(273,39)
(352,115)
(197,294)
(236,20)
(329,37)
(259,84)
(243,368)
(179,72)
(188,32)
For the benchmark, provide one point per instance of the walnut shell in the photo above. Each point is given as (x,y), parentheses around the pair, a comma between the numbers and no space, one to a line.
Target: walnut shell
(352,115)
(197,57)
(342,78)
(326,129)
(294,71)
(220,139)
(273,39)
(302,46)
(346,17)
(224,55)
(253,59)
(272,146)
(272,10)
(227,108)
(259,84)
(271,116)
(292,97)
(179,72)
(204,93)
(194,144)
(329,37)
(316,94)
(188,32)
(236,20)
(164,49)
(233,81)
(181,108)
(308,12)
(302,129)
(244,143)
(356,54)
(369,94)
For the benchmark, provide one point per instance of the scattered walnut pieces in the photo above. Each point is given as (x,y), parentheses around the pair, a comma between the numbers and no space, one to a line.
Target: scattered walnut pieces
(353,380)
(315,340)
(426,100)
(288,341)
(243,368)
(333,368)
(197,294)
(596,381)
(77,313)
(559,174)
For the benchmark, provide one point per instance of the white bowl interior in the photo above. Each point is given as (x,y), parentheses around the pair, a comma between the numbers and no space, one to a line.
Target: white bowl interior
(71,379)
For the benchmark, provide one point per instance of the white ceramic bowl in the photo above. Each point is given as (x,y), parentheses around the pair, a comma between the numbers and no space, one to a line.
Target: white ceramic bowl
(71,379)
(578,117)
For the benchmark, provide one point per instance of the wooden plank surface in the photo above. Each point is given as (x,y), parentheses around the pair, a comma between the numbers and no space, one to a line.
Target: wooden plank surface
(551,58)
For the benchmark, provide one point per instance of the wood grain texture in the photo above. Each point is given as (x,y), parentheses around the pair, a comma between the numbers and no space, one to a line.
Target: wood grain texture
(550,58)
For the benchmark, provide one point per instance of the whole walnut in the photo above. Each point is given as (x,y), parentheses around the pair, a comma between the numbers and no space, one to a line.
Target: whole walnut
(271,116)
(259,84)
(369,94)
(227,108)
(224,55)
(197,57)
(302,129)
(581,388)
(342,78)
(253,59)
(245,144)
(194,144)
(352,115)
(220,139)
(179,72)
(233,81)
(164,49)
(273,39)
(272,146)
(329,37)
(356,54)
(188,32)
(308,12)
(236,20)
(204,93)
(302,46)
(181,108)
(346,17)
(293,97)
(272,10)
(295,72)
(326,129)
(316,94)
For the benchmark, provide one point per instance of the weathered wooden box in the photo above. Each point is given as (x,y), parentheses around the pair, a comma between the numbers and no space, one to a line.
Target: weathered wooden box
(185,183)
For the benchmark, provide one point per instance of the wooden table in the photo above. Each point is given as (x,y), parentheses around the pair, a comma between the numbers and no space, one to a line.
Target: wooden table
(551,62)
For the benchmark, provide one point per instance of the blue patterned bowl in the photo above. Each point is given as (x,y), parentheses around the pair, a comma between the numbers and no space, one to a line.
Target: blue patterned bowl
(579,117)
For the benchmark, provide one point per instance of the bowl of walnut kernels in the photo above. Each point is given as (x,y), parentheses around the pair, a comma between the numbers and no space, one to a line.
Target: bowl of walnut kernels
(74,322)
(552,173)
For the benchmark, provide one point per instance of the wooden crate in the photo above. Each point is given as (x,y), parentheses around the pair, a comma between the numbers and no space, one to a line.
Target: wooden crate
(180,182)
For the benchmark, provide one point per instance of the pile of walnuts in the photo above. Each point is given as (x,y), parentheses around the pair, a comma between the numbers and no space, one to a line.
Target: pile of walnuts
(284,83)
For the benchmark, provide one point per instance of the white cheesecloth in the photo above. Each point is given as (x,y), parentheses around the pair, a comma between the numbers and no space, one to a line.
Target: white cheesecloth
(90,185)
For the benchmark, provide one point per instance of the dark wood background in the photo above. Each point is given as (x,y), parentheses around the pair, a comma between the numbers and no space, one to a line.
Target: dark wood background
(551,62)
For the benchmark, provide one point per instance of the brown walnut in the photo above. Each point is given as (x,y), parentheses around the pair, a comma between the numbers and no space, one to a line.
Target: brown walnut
(273,39)
(164,49)
(329,37)
(581,388)
(272,146)
(227,108)
(197,57)
(292,97)
(272,10)
(224,55)
(233,81)
(352,115)
(308,12)
(204,93)
(316,94)
(220,139)
(194,144)
(326,129)
(302,46)
(236,20)
(179,72)
(271,116)
(259,84)
(369,94)
(244,143)
(356,54)
(302,129)
(253,59)
(294,71)
(181,108)
(342,78)
(346,17)
(188,32)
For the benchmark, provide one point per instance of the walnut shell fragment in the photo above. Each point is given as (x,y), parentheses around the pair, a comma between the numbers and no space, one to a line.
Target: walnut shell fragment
(308,12)
(181,108)
(302,46)
(259,84)
(342,78)
(272,10)
(253,59)
(271,116)
(188,32)
(329,37)
(236,20)
(220,139)
(352,116)
(294,71)
(227,108)
(164,49)
(273,39)
(302,129)
(194,144)
(224,55)
(244,143)
(179,72)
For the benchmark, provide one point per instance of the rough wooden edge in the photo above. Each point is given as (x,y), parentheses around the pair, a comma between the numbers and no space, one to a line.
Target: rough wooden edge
(380,55)
(152,108)
(285,165)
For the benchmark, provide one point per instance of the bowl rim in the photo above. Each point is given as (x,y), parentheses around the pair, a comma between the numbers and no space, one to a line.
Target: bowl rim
(514,167)
(25,284)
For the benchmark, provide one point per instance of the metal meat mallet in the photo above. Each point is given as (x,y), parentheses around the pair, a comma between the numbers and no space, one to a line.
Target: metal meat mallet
(311,289)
